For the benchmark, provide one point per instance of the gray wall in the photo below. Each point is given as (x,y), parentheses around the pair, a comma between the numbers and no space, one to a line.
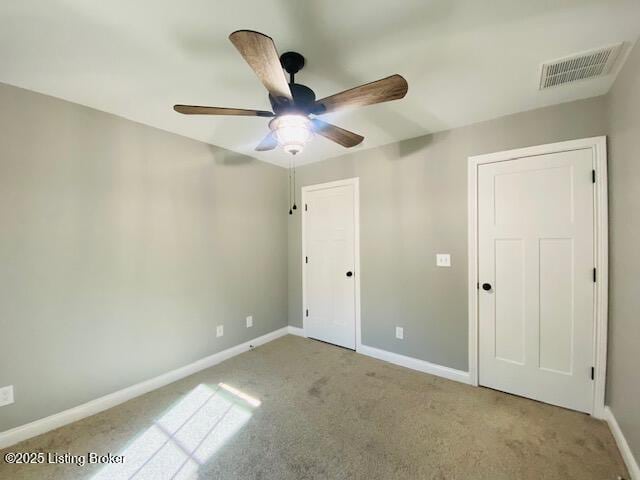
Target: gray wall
(623,392)
(413,204)
(122,247)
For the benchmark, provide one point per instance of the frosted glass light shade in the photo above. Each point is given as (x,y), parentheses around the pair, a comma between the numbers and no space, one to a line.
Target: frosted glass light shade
(292,132)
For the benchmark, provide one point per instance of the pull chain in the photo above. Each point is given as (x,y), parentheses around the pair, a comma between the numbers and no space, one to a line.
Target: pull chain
(294,185)
(290,210)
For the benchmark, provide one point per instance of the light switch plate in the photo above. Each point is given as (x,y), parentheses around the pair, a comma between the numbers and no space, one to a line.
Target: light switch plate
(6,395)
(219,330)
(399,333)
(249,321)
(443,260)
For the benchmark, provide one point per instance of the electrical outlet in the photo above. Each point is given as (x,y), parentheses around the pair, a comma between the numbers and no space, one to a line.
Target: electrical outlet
(249,321)
(399,333)
(219,330)
(443,260)
(6,395)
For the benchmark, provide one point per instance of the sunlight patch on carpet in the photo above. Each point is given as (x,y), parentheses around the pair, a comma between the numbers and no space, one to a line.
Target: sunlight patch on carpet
(185,437)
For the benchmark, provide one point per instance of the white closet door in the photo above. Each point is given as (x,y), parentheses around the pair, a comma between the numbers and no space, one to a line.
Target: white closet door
(536,291)
(329,266)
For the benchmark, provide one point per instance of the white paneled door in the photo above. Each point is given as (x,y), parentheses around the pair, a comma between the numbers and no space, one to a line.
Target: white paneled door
(329,263)
(536,277)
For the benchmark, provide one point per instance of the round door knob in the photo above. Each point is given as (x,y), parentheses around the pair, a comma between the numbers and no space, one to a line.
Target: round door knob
(486,287)
(349,274)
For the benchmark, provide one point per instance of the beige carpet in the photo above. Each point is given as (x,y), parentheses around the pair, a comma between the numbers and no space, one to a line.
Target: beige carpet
(301,409)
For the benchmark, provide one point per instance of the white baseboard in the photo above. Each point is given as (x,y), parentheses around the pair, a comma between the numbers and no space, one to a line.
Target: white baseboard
(296,331)
(416,364)
(404,361)
(38,427)
(623,446)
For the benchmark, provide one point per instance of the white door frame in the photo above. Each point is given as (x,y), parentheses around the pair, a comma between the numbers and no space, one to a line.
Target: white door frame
(599,147)
(355,182)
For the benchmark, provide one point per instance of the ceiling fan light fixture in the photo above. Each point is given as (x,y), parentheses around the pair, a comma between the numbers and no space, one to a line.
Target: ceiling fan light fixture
(292,131)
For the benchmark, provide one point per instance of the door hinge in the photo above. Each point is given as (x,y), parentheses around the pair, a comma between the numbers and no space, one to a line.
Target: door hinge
(307,312)
(594,275)
(306,259)
(593,373)
(593,176)
(478,286)
(305,207)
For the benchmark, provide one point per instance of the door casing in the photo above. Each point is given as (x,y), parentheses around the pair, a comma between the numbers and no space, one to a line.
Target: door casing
(598,145)
(355,183)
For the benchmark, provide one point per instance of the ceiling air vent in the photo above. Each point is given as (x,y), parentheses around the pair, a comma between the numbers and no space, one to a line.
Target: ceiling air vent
(592,64)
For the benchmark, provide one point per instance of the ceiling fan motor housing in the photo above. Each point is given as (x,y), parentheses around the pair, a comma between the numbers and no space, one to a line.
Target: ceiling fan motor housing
(303,101)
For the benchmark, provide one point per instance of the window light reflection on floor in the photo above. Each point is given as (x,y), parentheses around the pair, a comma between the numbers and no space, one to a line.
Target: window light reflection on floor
(184,437)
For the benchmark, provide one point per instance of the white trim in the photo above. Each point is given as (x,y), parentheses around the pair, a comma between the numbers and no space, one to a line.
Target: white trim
(602,266)
(38,427)
(599,147)
(623,446)
(415,364)
(355,182)
(403,360)
(297,331)
(472,287)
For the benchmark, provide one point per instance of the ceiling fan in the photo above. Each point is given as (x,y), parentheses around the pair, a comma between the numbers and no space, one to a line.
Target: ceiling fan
(294,105)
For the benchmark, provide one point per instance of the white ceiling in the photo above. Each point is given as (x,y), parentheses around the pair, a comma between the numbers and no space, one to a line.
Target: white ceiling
(465,60)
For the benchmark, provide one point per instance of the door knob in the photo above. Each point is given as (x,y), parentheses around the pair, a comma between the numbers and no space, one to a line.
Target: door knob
(486,286)
(349,274)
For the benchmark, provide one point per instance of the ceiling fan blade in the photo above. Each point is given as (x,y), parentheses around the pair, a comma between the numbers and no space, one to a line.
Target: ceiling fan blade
(198,110)
(384,90)
(260,53)
(339,135)
(268,143)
